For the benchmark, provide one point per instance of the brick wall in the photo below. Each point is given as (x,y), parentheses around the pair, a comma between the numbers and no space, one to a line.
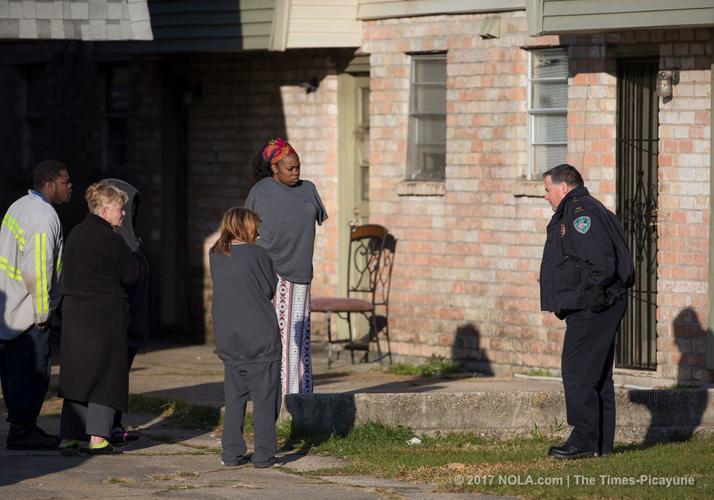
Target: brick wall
(465,279)
(465,282)
(685,128)
(245,100)
(239,101)
(684,163)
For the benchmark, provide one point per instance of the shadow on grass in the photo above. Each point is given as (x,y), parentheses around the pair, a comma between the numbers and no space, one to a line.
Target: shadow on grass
(676,413)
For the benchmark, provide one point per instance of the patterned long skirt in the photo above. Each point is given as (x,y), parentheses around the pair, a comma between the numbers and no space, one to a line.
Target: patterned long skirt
(292,305)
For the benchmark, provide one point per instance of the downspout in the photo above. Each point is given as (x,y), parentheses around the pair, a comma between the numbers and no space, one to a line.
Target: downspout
(279,27)
(534,17)
(710,316)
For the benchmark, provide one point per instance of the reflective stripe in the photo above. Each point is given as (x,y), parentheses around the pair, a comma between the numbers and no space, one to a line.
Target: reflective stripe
(40,274)
(45,291)
(9,222)
(12,272)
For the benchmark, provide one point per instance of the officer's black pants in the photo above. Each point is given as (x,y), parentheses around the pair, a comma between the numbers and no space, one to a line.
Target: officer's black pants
(259,382)
(588,354)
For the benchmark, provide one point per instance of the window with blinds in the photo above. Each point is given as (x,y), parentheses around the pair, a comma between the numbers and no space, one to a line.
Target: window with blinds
(547,109)
(426,155)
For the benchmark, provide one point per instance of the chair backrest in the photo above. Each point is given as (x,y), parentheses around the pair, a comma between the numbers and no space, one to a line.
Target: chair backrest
(369,269)
(385,270)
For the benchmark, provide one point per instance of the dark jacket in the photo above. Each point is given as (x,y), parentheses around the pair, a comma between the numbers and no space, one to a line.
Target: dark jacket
(586,263)
(244,320)
(139,292)
(98,266)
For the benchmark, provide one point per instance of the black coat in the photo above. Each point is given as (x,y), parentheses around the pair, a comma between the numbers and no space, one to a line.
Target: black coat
(586,263)
(97,268)
(140,292)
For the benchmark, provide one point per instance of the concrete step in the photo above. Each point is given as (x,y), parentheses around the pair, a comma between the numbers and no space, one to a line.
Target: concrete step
(642,415)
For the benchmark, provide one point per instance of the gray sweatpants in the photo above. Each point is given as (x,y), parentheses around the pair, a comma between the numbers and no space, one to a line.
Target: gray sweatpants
(81,419)
(259,382)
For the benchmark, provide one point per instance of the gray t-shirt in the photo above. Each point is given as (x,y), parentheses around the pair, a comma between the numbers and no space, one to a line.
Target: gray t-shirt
(287,229)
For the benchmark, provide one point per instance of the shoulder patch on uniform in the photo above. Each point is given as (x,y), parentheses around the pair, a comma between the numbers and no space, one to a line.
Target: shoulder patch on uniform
(582,224)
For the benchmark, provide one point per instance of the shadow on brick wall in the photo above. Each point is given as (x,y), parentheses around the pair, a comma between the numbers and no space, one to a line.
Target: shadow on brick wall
(467,352)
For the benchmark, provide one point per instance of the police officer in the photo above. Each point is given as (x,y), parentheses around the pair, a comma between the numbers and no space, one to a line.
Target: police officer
(584,276)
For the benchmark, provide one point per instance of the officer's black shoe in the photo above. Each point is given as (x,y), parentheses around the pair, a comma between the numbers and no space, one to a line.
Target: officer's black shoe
(30,437)
(569,452)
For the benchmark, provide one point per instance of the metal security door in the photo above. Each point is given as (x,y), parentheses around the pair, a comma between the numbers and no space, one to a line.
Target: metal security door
(637,149)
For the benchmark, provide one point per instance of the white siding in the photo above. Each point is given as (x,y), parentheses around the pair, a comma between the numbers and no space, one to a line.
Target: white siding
(563,16)
(380,9)
(315,23)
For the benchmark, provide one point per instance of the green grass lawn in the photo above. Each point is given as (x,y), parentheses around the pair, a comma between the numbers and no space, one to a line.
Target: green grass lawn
(467,463)
(459,462)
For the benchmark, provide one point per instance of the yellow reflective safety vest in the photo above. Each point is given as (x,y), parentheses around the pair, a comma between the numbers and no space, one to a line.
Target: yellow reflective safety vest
(30,264)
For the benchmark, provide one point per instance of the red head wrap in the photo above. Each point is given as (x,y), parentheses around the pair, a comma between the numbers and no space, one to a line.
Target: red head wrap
(276,150)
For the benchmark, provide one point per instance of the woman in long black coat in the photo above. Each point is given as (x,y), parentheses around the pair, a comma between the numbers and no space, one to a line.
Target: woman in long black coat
(94,375)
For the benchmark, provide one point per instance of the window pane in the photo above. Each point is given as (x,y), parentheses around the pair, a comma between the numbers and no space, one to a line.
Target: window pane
(550,128)
(364,178)
(430,130)
(117,89)
(545,157)
(427,121)
(430,70)
(116,130)
(550,95)
(428,163)
(116,155)
(550,63)
(429,99)
(365,106)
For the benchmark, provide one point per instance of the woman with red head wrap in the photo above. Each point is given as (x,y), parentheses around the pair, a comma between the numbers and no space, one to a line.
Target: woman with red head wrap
(288,208)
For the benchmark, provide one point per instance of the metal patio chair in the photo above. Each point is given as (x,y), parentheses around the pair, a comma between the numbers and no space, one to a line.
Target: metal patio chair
(369,274)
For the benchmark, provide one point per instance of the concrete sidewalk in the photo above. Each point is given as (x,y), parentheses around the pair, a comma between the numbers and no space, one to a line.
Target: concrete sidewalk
(349,394)
(185,462)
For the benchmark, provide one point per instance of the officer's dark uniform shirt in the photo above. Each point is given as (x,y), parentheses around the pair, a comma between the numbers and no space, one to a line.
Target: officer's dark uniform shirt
(586,263)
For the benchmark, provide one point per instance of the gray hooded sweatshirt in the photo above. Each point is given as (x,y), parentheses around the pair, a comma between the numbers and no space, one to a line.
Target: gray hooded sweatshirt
(140,293)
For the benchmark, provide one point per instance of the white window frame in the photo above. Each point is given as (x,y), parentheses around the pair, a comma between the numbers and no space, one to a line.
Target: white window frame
(411,132)
(533,112)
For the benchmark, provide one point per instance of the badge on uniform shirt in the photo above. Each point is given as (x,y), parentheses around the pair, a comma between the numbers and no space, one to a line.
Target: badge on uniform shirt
(562,230)
(582,224)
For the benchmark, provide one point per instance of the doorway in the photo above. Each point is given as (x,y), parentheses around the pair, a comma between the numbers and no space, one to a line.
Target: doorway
(353,168)
(637,192)
(173,305)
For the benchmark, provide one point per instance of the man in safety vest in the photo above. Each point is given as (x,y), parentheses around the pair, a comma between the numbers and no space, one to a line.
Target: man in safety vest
(30,253)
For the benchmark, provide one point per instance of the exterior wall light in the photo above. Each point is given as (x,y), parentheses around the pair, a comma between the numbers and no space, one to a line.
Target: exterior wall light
(665,81)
